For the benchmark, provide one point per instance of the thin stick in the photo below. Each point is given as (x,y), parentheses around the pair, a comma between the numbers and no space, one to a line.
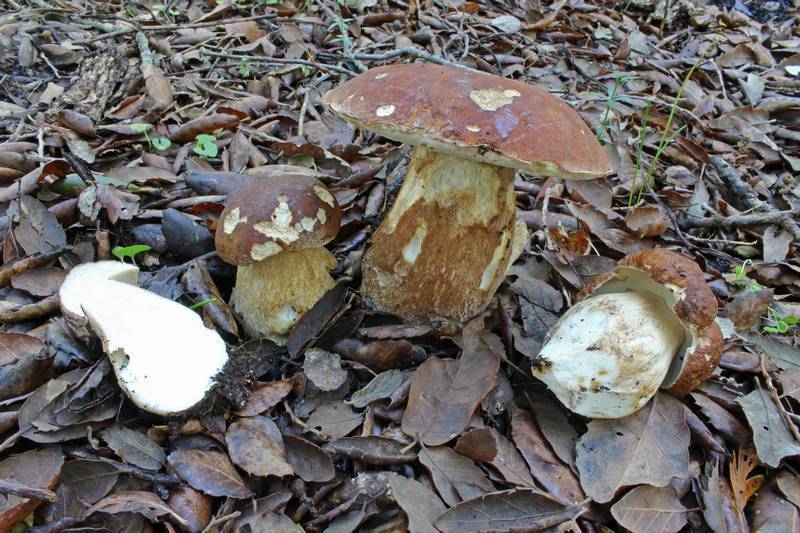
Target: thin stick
(409,51)
(8,486)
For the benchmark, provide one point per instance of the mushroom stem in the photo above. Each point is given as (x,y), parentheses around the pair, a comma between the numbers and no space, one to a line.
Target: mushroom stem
(271,295)
(446,244)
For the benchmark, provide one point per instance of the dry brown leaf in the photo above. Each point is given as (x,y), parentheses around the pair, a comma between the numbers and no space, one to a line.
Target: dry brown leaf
(36,469)
(421,505)
(743,463)
(646,509)
(486,445)
(209,472)
(255,445)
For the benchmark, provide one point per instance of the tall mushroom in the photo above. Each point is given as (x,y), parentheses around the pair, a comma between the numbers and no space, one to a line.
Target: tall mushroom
(647,324)
(274,230)
(447,242)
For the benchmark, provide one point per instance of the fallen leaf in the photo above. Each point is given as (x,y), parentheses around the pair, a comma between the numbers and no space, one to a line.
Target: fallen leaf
(719,506)
(503,511)
(335,419)
(646,221)
(308,460)
(770,512)
(265,396)
(456,477)
(134,448)
(209,472)
(773,439)
(36,469)
(445,393)
(192,505)
(547,469)
(381,386)
(741,466)
(255,445)
(646,509)
(324,369)
(486,445)
(747,308)
(24,364)
(650,446)
(421,505)
(556,428)
(728,425)
(91,480)
(144,503)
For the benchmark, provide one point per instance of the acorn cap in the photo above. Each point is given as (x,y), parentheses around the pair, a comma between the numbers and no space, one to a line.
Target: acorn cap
(473,115)
(266,217)
(679,282)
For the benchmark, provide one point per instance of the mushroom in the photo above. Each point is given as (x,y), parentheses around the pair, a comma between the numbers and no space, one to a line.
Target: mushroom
(447,242)
(648,323)
(274,230)
(83,278)
(164,357)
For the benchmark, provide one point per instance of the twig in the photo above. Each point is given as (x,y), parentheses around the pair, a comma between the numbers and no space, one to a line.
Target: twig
(777,400)
(410,51)
(279,61)
(135,471)
(220,520)
(740,221)
(23,491)
(21,313)
(302,424)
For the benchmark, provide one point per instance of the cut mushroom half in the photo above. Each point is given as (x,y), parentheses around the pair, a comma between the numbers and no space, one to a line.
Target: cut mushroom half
(83,278)
(165,359)
(647,324)
(447,243)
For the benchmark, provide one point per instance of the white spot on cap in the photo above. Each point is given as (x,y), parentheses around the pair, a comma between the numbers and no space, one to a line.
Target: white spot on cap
(473,128)
(414,246)
(385,110)
(261,251)
(232,220)
(493,99)
(381,75)
(279,228)
(324,195)
(308,223)
(322,216)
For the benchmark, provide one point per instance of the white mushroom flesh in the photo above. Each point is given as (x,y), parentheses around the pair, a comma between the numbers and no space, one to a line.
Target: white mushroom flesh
(84,278)
(165,359)
(608,355)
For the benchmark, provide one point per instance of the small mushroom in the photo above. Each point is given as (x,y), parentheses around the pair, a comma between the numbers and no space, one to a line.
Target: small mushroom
(164,358)
(647,324)
(83,278)
(274,230)
(447,242)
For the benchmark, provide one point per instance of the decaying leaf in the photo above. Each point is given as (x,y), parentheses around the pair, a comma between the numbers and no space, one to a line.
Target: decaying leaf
(144,503)
(255,444)
(134,448)
(209,472)
(455,476)
(421,505)
(650,446)
(36,469)
(773,439)
(645,509)
(743,486)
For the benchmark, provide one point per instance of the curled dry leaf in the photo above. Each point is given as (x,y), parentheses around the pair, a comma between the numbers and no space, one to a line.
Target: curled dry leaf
(255,444)
(265,396)
(650,446)
(646,509)
(209,472)
(647,221)
(193,128)
(445,393)
(144,503)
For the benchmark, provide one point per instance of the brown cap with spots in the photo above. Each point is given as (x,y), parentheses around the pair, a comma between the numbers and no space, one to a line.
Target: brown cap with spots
(285,212)
(472,115)
(679,282)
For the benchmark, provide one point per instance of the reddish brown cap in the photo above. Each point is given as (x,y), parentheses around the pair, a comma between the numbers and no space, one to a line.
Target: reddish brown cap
(472,115)
(285,212)
(679,282)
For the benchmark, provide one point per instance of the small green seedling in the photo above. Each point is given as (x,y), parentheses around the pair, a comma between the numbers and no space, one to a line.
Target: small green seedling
(121,252)
(782,323)
(205,146)
(202,303)
(244,67)
(159,143)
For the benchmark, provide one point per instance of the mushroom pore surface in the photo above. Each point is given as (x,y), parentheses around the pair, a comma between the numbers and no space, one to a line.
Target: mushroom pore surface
(445,246)
(270,296)
(608,355)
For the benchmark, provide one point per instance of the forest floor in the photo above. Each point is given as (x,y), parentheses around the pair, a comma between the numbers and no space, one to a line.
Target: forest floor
(120,124)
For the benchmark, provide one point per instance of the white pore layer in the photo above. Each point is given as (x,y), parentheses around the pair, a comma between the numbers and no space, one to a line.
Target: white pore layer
(607,356)
(83,279)
(164,357)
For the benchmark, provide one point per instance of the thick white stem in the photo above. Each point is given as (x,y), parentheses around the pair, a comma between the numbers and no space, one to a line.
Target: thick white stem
(271,295)
(446,244)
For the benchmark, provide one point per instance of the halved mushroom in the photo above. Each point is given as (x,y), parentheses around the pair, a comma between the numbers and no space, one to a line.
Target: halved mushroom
(447,242)
(83,278)
(164,357)
(647,324)
(274,230)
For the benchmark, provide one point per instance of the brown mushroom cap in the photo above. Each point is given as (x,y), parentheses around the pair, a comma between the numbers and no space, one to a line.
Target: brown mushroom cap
(268,216)
(679,282)
(472,115)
